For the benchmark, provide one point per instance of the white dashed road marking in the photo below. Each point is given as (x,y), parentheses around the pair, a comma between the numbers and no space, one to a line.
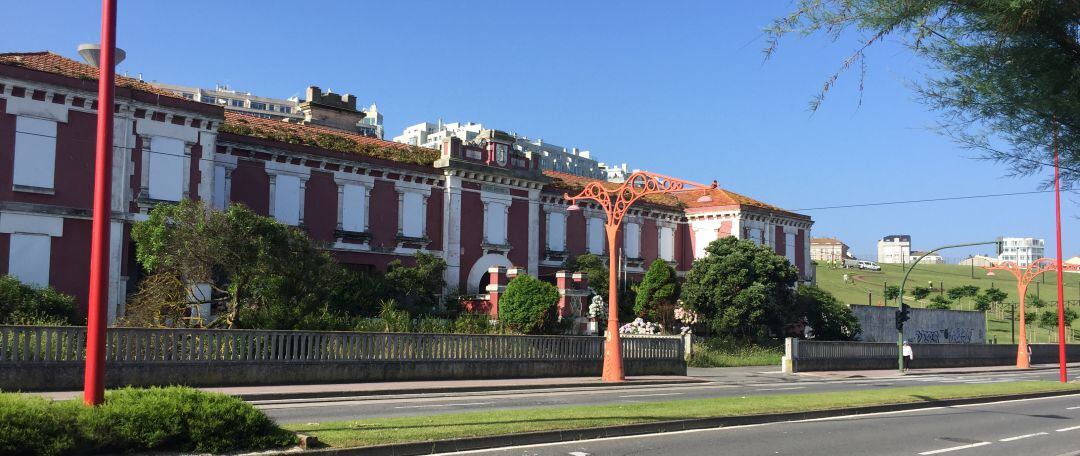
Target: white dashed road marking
(1072,408)
(1010,439)
(443,405)
(1069,429)
(955,448)
(780,389)
(651,395)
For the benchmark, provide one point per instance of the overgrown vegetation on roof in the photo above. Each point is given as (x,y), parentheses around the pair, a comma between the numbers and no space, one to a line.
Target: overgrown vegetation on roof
(387,151)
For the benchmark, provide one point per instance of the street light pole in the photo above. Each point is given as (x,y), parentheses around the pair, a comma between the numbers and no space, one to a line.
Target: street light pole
(1062,368)
(615,201)
(900,300)
(94,377)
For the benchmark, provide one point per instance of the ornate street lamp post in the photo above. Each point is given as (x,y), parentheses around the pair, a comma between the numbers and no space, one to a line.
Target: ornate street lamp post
(1024,276)
(615,201)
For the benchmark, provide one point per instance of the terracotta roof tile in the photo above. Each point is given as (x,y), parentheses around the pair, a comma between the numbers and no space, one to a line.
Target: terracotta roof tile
(49,62)
(326,138)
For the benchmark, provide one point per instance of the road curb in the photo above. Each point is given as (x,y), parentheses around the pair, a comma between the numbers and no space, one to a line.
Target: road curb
(542,437)
(464,389)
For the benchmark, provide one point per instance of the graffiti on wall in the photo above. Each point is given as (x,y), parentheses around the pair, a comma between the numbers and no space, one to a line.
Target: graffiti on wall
(946,336)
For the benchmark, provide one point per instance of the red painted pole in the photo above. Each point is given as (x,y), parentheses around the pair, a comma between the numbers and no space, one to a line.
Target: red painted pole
(94,380)
(1062,359)
(613,363)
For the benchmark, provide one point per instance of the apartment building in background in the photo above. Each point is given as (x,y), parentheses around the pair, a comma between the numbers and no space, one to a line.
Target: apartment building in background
(550,156)
(288,109)
(828,249)
(1022,251)
(894,249)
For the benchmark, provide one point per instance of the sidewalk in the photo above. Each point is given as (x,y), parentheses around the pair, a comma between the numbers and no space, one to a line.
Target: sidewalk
(276,392)
(892,373)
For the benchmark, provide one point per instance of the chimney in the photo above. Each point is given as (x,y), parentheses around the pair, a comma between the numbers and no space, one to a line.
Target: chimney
(331,110)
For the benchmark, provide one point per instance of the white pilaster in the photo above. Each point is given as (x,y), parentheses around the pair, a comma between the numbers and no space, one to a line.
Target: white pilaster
(534,232)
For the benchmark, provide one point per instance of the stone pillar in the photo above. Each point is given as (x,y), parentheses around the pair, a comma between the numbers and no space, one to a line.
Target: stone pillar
(496,286)
(514,272)
(565,284)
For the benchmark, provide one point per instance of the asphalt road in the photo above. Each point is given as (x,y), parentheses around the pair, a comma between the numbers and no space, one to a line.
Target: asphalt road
(730,382)
(1049,426)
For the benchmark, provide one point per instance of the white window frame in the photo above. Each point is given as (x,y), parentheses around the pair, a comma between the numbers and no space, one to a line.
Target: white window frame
(666,247)
(166,168)
(285,206)
(556,231)
(34,167)
(632,239)
(355,201)
(412,213)
(595,235)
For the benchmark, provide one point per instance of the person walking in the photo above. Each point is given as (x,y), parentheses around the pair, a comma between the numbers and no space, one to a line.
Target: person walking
(909,355)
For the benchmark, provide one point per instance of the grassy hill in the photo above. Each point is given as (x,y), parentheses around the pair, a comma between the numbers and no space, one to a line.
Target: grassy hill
(866,287)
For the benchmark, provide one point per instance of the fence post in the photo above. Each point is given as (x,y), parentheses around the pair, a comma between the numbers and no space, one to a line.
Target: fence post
(688,346)
(788,365)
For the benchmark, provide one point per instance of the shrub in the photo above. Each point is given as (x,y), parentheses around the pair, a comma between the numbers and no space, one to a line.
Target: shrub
(435,325)
(130,420)
(21,304)
(527,304)
(940,302)
(467,323)
(34,425)
(393,318)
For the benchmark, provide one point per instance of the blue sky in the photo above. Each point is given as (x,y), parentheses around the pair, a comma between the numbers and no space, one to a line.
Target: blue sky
(674,87)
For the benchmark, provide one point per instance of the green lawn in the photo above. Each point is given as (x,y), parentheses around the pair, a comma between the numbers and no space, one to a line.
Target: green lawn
(713,353)
(501,422)
(832,280)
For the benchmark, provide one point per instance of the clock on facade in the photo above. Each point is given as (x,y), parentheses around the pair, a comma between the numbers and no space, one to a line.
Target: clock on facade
(500,154)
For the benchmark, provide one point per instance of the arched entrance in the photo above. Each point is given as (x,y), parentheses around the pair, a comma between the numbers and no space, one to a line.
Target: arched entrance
(478,273)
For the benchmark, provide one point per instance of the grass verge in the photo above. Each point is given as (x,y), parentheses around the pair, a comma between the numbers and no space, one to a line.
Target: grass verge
(502,422)
(714,355)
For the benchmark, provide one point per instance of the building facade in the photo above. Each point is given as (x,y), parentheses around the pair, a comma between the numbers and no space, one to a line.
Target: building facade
(479,203)
(894,249)
(550,157)
(1022,251)
(926,258)
(828,250)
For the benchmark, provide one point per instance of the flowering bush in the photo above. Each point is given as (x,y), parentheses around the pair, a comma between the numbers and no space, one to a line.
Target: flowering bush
(685,330)
(598,308)
(686,316)
(639,326)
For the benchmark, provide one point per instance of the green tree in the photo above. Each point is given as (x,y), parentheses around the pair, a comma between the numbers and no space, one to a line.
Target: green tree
(983,303)
(1034,301)
(920,293)
(416,288)
(595,267)
(829,319)
(1048,319)
(741,289)
(892,292)
(528,305)
(940,302)
(1003,72)
(961,292)
(995,295)
(657,294)
(263,273)
(22,304)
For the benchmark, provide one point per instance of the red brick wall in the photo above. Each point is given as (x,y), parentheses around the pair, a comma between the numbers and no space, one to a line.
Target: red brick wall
(472,233)
(74,177)
(320,206)
(5,248)
(195,174)
(684,247)
(576,244)
(69,269)
(251,186)
(650,241)
(781,241)
(517,232)
(383,219)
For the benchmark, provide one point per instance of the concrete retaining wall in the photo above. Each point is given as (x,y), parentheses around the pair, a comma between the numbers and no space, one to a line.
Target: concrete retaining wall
(927,326)
(807,356)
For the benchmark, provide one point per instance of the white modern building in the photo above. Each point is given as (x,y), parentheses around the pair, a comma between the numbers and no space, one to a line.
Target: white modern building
(927,258)
(551,157)
(894,248)
(979,261)
(266,107)
(828,249)
(1022,251)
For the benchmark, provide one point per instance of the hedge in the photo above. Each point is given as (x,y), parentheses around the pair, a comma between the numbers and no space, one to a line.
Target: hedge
(136,420)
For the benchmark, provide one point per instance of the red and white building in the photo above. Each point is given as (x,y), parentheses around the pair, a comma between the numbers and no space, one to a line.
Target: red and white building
(478,205)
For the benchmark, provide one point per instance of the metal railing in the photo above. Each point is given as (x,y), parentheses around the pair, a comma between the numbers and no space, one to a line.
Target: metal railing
(67,344)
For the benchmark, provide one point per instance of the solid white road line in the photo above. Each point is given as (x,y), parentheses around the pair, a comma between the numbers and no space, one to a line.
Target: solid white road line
(652,395)
(780,389)
(443,405)
(1010,439)
(1072,408)
(1069,429)
(955,448)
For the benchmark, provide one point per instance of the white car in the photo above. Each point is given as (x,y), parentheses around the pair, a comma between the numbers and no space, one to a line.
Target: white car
(869,265)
